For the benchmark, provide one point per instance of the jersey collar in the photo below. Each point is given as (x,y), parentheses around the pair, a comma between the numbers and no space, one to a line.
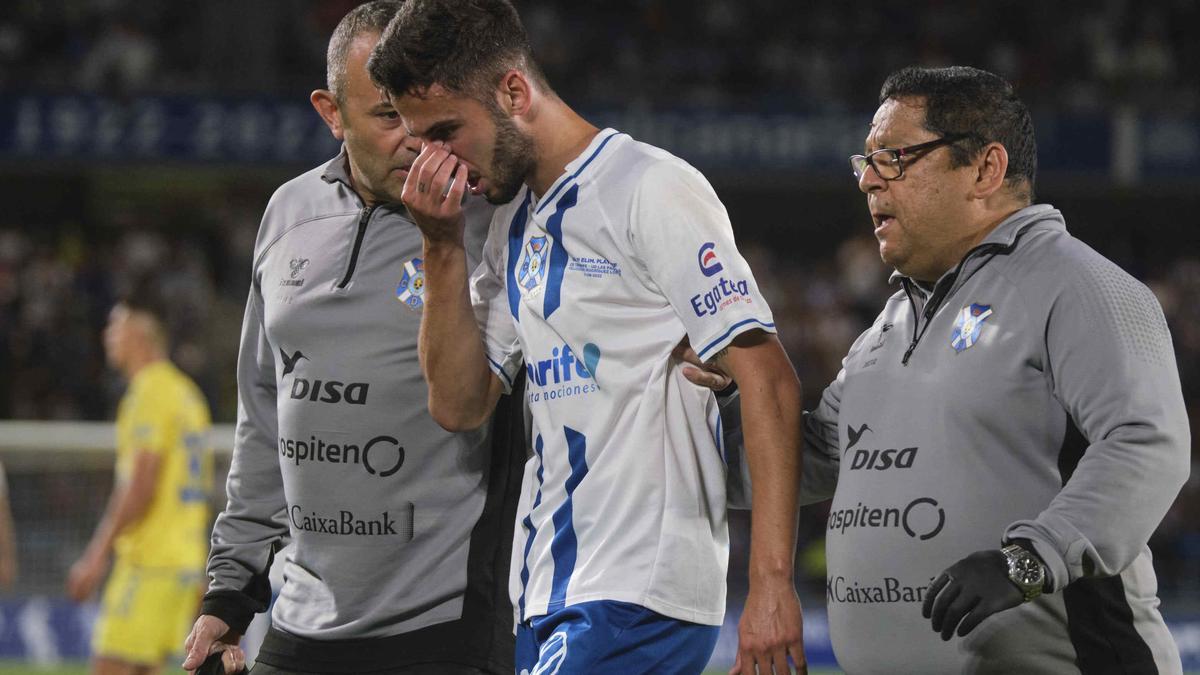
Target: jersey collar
(575,167)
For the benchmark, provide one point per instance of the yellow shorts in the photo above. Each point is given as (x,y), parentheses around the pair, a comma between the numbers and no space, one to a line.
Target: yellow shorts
(146,613)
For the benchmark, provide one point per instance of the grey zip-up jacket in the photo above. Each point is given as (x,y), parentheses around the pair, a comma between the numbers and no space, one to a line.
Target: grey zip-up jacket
(1031,393)
(401,529)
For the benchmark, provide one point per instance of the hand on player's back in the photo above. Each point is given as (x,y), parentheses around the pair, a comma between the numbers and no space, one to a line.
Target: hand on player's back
(433,194)
(698,372)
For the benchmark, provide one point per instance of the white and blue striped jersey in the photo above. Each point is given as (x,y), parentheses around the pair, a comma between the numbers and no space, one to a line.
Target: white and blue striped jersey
(592,286)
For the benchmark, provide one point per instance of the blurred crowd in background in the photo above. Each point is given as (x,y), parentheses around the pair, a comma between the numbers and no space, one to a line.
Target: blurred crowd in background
(61,270)
(660,53)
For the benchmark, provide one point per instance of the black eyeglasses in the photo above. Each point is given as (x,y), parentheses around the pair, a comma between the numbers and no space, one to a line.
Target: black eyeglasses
(888,163)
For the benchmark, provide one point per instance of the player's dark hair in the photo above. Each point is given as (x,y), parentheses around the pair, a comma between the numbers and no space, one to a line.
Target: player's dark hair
(370,17)
(142,296)
(465,46)
(979,104)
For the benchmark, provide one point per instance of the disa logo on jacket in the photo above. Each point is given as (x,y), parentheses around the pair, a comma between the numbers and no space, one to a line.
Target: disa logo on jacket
(320,391)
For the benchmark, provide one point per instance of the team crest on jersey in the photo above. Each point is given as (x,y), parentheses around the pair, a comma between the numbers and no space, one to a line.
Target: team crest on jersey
(968,325)
(533,263)
(411,289)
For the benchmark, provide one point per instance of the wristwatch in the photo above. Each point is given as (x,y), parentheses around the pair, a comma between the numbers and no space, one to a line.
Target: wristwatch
(1025,570)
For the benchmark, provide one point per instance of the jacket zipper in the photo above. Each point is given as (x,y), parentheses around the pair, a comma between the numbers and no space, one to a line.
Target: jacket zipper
(363,219)
(931,306)
(940,293)
(916,323)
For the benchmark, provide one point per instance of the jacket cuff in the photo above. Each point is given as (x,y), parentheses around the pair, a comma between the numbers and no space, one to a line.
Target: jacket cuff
(236,609)
(1058,573)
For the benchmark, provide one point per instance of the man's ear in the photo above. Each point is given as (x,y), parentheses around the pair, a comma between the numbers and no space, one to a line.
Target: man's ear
(515,95)
(992,166)
(326,105)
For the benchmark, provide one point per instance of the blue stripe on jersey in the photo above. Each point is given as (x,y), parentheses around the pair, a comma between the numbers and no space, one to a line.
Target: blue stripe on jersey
(500,371)
(703,353)
(558,254)
(527,523)
(516,233)
(577,171)
(564,547)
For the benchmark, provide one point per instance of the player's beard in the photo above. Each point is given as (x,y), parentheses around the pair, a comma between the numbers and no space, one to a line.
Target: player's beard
(512,160)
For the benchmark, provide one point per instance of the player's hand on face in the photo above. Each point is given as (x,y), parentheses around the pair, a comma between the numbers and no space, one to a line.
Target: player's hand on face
(85,576)
(433,193)
(211,635)
(770,632)
(696,371)
(970,591)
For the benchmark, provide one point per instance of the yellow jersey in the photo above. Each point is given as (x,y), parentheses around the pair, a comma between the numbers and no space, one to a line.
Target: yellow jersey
(164,412)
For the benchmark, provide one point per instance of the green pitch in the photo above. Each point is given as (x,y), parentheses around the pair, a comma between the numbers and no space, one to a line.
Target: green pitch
(17,668)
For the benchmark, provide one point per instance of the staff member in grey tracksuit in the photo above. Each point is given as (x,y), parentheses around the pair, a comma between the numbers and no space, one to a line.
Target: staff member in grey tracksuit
(1010,430)
(401,529)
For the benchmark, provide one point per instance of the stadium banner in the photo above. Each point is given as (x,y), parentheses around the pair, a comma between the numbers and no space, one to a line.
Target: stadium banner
(153,129)
(1170,146)
(47,631)
(258,131)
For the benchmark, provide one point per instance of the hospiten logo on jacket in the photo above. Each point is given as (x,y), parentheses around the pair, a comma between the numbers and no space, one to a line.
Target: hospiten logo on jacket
(968,325)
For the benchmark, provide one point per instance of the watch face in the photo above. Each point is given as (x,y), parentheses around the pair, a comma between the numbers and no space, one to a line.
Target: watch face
(1027,570)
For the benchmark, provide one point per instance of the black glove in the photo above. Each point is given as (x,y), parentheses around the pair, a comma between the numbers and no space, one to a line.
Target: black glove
(970,591)
(214,666)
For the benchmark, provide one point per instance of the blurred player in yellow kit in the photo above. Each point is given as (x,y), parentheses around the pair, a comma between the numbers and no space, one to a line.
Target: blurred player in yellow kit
(157,519)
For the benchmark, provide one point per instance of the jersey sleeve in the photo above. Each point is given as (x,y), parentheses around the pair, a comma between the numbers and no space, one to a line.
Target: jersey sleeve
(252,528)
(495,310)
(1112,367)
(681,233)
(822,442)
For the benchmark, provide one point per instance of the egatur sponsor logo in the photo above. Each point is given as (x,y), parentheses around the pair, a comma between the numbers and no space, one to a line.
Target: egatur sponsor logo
(722,295)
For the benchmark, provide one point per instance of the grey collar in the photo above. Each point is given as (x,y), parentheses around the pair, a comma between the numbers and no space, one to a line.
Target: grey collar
(337,170)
